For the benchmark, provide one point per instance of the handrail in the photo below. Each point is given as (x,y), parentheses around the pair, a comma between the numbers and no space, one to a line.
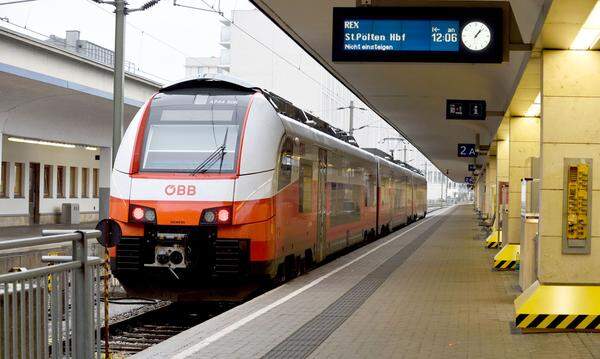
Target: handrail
(15,276)
(64,287)
(48,237)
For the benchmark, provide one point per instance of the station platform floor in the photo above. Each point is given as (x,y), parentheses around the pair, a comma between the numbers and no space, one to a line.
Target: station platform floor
(426,291)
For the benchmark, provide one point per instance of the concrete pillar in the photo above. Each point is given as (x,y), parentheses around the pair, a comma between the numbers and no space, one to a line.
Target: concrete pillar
(104,182)
(570,128)
(524,143)
(568,285)
(481,192)
(490,186)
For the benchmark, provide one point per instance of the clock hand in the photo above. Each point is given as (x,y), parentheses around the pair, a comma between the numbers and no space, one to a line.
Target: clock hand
(478,32)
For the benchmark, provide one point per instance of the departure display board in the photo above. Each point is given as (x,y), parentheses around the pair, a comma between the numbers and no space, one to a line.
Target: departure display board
(426,34)
(401,35)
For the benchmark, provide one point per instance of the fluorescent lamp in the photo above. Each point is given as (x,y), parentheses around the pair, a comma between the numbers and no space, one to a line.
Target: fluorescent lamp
(39,142)
(90,148)
(590,31)
(535,109)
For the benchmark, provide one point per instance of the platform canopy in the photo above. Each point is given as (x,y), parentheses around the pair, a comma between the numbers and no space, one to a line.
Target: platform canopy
(412,96)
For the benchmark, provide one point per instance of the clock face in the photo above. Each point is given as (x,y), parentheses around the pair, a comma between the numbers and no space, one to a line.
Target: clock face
(476,36)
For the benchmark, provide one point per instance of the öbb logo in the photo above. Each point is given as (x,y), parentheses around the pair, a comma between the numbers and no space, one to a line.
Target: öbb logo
(180,190)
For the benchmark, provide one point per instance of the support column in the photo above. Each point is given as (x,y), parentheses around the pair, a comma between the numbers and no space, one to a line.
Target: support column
(568,289)
(506,258)
(524,134)
(502,168)
(524,143)
(490,187)
(481,193)
(104,182)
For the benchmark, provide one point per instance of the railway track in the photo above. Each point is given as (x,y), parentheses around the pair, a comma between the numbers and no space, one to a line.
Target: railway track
(135,334)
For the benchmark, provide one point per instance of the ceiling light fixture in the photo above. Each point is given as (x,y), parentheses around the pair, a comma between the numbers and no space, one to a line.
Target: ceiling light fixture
(39,142)
(589,34)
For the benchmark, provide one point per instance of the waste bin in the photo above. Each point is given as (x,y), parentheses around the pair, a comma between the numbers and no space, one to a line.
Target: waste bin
(70,213)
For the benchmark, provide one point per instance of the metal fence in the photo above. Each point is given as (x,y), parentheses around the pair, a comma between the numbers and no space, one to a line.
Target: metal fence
(52,311)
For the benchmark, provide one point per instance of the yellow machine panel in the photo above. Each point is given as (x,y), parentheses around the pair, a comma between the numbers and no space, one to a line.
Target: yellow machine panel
(577,206)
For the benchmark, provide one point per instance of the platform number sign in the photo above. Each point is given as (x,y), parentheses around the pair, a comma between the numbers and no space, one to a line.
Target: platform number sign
(472,167)
(469,180)
(466,150)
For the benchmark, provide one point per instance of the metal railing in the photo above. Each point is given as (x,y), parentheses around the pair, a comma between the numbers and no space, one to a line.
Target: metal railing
(52,311)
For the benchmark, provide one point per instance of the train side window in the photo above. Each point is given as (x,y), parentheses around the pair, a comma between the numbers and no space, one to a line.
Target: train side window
(306,176)
(285,163)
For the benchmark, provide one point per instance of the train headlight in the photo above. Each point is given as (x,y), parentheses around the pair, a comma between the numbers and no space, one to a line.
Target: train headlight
(150,215)
(223,215)
(219,215)
(208,217)
(142,214)
(137,213)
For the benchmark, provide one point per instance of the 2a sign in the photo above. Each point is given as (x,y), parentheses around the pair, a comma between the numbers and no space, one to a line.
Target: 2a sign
(466,150)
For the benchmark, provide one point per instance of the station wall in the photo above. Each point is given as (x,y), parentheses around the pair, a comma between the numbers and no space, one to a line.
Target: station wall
(80,162)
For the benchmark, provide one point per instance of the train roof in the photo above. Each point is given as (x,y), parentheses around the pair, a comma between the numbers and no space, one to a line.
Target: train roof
(283,107)
(211,80)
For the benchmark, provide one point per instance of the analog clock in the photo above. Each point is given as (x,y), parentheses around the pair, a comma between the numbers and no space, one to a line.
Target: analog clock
(476,36)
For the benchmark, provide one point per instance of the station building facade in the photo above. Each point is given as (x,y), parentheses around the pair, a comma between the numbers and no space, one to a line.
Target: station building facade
(38,177)
(56,128)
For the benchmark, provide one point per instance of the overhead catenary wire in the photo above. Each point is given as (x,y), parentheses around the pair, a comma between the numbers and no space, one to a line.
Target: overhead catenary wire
(211,8)
(15,2)
(144,31)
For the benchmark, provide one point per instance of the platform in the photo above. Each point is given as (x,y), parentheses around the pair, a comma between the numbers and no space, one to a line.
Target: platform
(424,291)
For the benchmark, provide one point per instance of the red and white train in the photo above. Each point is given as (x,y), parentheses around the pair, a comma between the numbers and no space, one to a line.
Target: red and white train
(218,184)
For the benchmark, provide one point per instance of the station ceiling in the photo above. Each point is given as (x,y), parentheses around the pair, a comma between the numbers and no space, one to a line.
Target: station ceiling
(37,110)
(412,96)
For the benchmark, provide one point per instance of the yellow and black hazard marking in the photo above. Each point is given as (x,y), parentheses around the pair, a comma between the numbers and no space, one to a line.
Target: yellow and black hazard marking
(558,321)
(505,265)
(493,244)
(494,240)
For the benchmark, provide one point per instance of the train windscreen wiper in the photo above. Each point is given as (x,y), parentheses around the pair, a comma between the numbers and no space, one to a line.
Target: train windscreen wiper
(212,158)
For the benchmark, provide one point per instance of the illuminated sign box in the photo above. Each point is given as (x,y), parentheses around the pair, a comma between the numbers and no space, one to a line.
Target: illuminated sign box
(425,34)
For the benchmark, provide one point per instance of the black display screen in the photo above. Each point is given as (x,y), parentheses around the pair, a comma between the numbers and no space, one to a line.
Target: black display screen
(424,34)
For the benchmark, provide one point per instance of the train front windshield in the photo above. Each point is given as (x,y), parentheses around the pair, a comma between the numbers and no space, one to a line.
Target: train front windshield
(194,130)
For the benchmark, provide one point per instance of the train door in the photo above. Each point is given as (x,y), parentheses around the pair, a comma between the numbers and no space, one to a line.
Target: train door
(321,205)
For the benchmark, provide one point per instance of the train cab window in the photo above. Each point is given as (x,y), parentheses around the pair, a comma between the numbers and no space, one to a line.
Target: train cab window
(306,177)
(285,163)
(194,131)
